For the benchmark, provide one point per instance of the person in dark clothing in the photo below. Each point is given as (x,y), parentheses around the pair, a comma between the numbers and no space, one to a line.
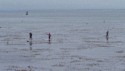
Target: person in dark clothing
(30,40)
(107,35)
(26,12)
(49,37)
(30,36)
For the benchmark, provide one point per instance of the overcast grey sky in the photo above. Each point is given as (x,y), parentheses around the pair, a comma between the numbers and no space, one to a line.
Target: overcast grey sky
(61,4)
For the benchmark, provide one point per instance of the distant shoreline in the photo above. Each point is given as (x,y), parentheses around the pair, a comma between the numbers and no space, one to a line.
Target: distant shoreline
(65,10)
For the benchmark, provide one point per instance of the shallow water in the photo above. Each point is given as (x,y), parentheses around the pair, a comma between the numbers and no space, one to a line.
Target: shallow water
(78,41)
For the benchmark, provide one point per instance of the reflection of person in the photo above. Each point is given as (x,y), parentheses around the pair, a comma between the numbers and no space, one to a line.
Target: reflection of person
(107,35)
(30,43)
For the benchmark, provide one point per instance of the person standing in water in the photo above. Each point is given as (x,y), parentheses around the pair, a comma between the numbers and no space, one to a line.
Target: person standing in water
(30,36)
(26,12)
(30,40)
(49,37)
(107,35)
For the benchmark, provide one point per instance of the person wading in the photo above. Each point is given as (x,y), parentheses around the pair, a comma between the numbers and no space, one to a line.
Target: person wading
(30,40)
(30,36)
(107,35)
(49,37)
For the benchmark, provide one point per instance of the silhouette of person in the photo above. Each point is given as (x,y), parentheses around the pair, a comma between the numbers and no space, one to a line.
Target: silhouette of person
(107,35)
(30,40)
(26,12)
(30,36)
(49,37)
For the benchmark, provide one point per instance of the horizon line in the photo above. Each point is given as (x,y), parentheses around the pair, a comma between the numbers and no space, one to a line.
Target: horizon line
(54,10)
